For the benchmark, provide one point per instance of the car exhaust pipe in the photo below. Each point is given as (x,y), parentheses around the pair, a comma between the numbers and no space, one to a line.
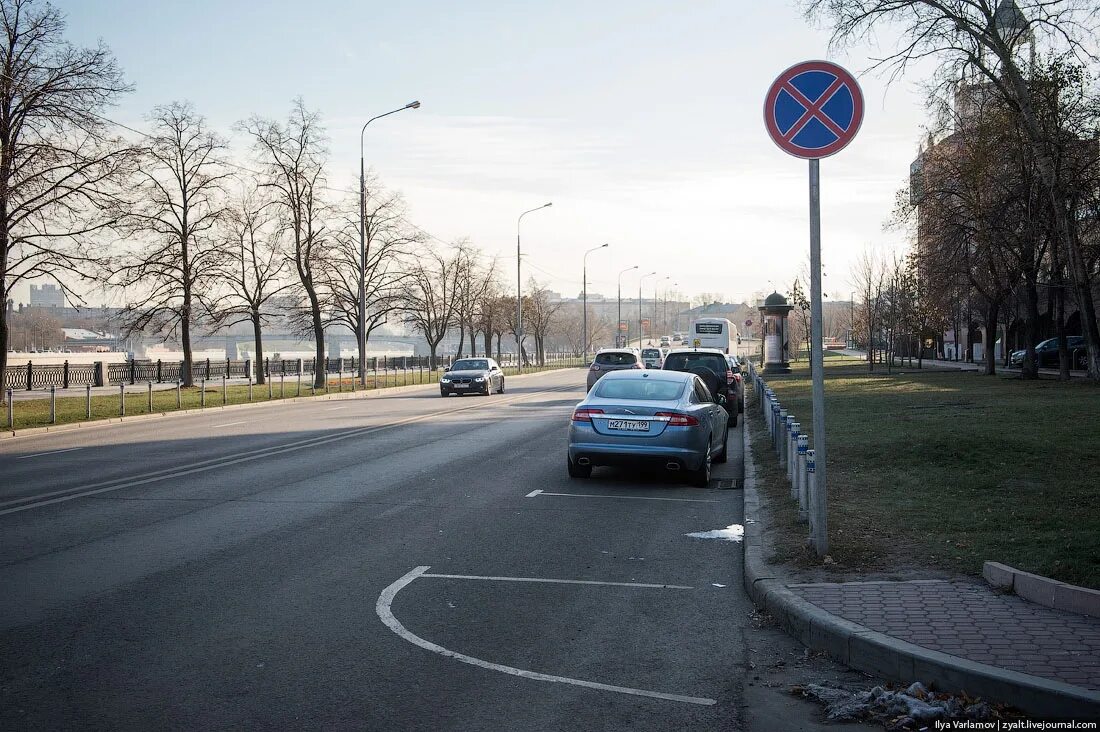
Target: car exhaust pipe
(583,461)
(672,466)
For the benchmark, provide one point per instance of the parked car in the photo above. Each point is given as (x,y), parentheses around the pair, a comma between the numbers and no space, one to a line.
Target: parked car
(711,366)
(663,419)
(652,358)
(1047,353)
(738,382)
(472,376)
(612,359)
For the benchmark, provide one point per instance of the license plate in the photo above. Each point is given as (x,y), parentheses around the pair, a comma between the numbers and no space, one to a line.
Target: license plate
(628,425)
(462,386)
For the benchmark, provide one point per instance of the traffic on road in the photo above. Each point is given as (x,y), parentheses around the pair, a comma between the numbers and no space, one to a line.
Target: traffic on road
(390,563)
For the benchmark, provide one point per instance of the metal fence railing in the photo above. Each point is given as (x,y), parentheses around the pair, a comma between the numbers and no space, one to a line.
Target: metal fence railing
(31,376)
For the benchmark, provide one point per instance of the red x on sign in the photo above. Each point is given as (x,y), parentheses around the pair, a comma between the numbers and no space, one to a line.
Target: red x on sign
(813,109)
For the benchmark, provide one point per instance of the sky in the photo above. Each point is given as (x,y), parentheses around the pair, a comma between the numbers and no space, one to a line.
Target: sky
(641,121)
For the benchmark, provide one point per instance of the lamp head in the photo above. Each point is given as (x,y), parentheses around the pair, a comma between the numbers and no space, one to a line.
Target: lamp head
(412,105)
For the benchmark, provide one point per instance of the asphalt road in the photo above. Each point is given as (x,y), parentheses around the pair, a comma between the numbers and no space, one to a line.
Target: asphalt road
(392,563)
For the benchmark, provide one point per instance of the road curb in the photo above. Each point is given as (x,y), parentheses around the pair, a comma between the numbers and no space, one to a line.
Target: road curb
(876,653)
(8,434)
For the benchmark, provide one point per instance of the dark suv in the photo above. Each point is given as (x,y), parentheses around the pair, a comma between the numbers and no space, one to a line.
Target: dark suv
(711,366)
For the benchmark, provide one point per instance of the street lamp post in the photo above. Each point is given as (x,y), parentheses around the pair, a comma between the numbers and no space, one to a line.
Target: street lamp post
(653,323)
(584,289)
(361,335)
(620,319)
(651,274)
(519,286)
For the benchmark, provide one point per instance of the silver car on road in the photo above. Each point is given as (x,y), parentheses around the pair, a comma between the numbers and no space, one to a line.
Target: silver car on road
(662,419)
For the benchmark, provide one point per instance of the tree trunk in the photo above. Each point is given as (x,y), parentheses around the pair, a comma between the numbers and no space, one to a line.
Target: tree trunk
(5,333)
(489,344)
(257,334)
(1030,368)
(461,341)
(188,375)
(432,359)
(320,374)
(1060,327)
(473,341)
(992,310)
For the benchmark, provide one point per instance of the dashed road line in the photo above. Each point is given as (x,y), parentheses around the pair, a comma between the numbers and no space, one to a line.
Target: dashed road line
(51,452)
(535,494)
(228,424)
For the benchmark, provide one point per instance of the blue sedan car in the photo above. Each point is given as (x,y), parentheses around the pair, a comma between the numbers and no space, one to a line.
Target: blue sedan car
(666,419)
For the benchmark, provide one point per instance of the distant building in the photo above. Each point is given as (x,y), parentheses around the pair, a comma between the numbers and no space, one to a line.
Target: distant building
(47,296)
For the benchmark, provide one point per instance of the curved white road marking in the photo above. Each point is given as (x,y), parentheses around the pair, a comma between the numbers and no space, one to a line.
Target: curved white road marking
(556,581)
(385,600)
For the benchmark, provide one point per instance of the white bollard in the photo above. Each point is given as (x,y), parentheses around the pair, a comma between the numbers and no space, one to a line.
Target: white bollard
(788,438)
(803,445)
(781,437)
(810,486)
(792,458)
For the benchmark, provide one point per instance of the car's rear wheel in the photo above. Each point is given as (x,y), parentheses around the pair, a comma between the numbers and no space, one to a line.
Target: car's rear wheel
(701,478)
(578,471)
(722,456)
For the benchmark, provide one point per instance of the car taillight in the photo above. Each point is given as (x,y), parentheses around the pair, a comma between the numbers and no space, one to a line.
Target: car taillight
(675,419)
(584,414)
(729,376)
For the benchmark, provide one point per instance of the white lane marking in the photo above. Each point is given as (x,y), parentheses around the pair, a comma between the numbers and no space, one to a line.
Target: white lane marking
(51,452)
(333,409)
(630,498)
(228,424)
(533,493)
(385,601)
(203,466)
(557,581)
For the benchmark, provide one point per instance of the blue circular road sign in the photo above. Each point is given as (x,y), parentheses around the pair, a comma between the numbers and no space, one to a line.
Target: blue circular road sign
(813,109)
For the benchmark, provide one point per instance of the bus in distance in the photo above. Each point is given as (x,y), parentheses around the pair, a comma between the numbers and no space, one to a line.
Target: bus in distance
(714,333)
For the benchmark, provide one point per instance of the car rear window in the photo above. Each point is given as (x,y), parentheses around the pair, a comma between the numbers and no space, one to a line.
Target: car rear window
(684,361)
(651,353)
(649,389)
(616,359)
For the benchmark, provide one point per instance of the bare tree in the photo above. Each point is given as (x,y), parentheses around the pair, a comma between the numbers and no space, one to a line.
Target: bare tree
(254,267)
(431,297)
(541,312)
(61,172)
(869,279)
(981,40)
(476,287)
(172,265)
(389,243)
(293,156)
(492,317)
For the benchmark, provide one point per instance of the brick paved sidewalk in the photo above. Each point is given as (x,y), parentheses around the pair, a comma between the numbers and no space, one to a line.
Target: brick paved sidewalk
(971,621)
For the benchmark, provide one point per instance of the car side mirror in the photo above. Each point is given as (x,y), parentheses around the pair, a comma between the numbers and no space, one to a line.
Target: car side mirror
(721,399)
(446,368)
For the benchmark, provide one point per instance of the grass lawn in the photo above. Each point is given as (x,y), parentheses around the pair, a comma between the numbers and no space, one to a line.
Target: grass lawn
(945,469)
(72,407)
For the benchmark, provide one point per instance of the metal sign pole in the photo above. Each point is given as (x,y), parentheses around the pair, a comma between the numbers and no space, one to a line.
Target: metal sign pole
(818,504)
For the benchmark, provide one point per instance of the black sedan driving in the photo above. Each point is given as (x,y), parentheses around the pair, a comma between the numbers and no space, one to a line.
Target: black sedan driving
(472,376)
